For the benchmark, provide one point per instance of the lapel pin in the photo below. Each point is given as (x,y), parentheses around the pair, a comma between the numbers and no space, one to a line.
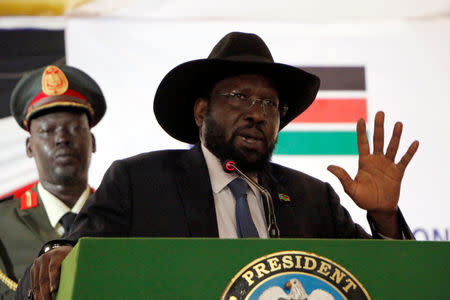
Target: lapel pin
(284,197)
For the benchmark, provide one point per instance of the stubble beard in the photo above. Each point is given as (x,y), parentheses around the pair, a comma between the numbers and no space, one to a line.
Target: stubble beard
(67,176)
(247,160)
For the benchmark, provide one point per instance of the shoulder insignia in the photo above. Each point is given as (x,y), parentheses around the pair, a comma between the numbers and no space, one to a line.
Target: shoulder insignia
(29,199)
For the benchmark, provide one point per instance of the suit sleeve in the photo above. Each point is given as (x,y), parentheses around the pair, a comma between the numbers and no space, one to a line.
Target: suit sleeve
(107,213)
(24,287)
(404,228)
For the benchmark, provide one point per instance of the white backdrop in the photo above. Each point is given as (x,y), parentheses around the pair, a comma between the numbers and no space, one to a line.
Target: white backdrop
(407,75)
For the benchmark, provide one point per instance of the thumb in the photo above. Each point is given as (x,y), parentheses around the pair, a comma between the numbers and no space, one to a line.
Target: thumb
(344,178)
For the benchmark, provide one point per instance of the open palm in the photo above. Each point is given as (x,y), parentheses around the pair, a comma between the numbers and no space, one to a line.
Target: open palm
(376,187)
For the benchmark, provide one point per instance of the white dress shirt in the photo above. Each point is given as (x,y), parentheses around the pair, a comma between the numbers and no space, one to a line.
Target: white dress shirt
(225,202)
(55,208)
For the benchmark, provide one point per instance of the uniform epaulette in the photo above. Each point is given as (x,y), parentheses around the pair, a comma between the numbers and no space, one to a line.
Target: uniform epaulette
(28,200)
(9,197)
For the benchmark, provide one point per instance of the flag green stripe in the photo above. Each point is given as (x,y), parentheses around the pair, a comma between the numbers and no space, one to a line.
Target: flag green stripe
(316,143)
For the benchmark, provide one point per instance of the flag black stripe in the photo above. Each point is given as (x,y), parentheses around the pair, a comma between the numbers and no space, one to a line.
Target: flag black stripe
(339,78)
(22,51)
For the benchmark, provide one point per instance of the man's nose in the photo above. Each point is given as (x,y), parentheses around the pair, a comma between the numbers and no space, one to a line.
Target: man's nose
(256,111)
(62,136)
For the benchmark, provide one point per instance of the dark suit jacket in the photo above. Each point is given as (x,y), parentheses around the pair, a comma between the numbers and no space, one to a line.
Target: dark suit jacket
(168,194)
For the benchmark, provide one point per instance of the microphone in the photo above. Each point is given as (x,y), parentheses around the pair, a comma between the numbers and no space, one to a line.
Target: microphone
(274,232)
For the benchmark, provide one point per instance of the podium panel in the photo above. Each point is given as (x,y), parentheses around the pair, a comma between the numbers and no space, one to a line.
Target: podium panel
(192,268)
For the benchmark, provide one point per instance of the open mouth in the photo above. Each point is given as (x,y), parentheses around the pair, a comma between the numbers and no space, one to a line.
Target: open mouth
(251,139)
(254,140)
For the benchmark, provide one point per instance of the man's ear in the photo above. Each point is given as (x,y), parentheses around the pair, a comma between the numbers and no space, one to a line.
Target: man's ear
(200,108)
(94,144)
(28,148)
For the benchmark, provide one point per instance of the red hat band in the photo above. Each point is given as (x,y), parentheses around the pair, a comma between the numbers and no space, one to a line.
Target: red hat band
(70,98)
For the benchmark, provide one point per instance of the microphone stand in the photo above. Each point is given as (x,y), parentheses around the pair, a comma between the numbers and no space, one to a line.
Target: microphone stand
(274,231)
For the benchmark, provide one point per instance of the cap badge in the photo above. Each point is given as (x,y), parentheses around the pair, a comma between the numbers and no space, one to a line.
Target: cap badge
(54,82)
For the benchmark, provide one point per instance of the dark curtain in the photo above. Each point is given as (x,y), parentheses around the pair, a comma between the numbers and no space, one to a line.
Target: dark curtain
(22,51)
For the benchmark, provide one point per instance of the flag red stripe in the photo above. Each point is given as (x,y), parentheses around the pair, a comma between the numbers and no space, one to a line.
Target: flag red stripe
(334,111)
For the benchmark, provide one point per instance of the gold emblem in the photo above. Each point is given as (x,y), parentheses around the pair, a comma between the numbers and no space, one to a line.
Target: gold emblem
(294,275)
(54,82)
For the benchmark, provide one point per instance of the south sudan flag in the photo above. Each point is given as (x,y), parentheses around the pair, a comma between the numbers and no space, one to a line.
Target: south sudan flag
(328,126)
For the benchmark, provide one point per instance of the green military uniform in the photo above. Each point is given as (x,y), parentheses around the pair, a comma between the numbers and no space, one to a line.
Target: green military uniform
(25,228)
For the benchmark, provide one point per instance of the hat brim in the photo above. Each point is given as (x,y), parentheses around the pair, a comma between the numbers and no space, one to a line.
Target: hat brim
(175,97)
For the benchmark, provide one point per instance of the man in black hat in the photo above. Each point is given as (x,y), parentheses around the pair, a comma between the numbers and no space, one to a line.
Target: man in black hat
(57,106)
(239,99)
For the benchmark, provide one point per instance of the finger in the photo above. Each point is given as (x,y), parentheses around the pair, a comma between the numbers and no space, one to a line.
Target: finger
(378,133)
(34,273)
(408,156)
(344,178)
(392,148)
(43,282)
(363,144)
(54,274)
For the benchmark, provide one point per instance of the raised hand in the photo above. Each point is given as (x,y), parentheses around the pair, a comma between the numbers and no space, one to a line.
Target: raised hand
(376,187)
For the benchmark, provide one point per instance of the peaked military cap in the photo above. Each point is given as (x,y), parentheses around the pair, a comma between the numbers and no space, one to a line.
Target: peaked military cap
(54,87)
(235,54)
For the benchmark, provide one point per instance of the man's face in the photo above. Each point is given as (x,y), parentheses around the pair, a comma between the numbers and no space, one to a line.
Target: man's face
(231,130)
(61,144)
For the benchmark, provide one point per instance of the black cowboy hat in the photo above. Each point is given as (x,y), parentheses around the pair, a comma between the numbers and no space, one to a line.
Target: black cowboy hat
(236,53)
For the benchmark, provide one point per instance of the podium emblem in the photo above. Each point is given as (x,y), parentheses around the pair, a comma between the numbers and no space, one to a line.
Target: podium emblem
(294,275)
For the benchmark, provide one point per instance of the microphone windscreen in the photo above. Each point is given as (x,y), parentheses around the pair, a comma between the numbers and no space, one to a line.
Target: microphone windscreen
(229,166)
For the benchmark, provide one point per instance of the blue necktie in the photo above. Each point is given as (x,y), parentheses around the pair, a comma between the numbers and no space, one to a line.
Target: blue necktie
(244,222)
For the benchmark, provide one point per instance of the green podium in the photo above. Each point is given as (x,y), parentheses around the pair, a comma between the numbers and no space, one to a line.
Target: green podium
(191,268)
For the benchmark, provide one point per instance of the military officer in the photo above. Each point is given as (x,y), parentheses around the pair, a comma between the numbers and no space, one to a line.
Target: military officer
(58,106)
